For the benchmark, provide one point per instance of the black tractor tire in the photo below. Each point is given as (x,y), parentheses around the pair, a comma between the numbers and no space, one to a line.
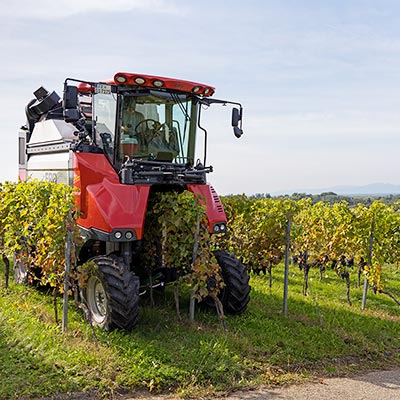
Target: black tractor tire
(111,294)
(235,295)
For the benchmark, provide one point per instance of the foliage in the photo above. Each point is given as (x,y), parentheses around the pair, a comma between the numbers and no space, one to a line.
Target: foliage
(34,219)
(177,236)
(259,230)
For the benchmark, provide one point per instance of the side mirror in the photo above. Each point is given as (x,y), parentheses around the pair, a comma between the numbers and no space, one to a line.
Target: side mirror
(237,131)
(70,104)
(236,118)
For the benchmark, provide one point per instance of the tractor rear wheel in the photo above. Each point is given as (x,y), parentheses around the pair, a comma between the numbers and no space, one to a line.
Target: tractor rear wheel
(111,293)
(236,293)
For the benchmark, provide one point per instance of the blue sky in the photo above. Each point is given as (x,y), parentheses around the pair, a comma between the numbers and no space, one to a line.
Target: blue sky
(319,80)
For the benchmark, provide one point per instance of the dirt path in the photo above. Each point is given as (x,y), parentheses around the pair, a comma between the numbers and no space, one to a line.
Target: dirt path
(380,385)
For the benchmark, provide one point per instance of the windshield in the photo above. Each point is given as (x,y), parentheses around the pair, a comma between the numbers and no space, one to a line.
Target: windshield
(104,111)
(156,125)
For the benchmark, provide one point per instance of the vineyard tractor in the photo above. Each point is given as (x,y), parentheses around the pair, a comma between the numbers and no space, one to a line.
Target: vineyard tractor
(119,142)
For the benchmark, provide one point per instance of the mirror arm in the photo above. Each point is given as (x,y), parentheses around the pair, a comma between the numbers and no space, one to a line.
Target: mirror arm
(205,136)
(238,131)
(208,101)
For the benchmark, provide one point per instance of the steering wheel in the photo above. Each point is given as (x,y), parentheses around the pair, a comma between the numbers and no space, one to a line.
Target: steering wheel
(150,132)
(146,121)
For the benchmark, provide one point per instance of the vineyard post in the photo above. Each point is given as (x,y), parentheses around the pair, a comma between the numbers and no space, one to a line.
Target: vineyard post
(286,277)
(66,279)
(6,263)
(365,291)
(371,245)
(192,301)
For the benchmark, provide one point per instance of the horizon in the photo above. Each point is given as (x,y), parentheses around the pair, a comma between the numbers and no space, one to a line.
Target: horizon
(371,189)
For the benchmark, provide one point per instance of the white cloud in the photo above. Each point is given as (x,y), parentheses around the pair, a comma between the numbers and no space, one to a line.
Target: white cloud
(49,9)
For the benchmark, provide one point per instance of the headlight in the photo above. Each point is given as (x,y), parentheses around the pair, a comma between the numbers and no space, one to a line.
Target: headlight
(121,235)
(128,235)
(219,227)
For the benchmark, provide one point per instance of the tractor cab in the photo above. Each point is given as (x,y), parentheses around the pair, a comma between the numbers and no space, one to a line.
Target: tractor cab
(145,125)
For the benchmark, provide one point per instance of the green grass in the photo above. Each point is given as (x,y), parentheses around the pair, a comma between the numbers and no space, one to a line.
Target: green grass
(321,335)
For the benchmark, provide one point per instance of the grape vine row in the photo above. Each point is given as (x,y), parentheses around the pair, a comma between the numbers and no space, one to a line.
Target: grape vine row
(323,235)
(35,216)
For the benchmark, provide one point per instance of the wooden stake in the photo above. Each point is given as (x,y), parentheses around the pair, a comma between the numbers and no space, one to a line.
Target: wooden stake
(286,276)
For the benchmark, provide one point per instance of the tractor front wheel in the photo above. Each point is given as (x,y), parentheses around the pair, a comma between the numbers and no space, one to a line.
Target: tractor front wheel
(111,293)
(235,295)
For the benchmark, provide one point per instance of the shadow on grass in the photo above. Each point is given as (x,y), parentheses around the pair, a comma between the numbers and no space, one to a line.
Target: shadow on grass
(25,371)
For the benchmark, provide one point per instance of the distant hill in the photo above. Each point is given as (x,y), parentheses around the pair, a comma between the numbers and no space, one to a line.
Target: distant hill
(373,189)
(376,189)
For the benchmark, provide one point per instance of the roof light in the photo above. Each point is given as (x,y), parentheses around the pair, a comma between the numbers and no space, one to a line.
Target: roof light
(139,80)
(158,83)
(206,90)
(196,89)
(121,79)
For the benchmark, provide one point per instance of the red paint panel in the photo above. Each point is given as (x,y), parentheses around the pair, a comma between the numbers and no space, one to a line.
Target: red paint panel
(214,207)
(104,202)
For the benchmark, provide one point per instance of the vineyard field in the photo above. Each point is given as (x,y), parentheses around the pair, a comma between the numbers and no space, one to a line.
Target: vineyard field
(331,324)
(36,215)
